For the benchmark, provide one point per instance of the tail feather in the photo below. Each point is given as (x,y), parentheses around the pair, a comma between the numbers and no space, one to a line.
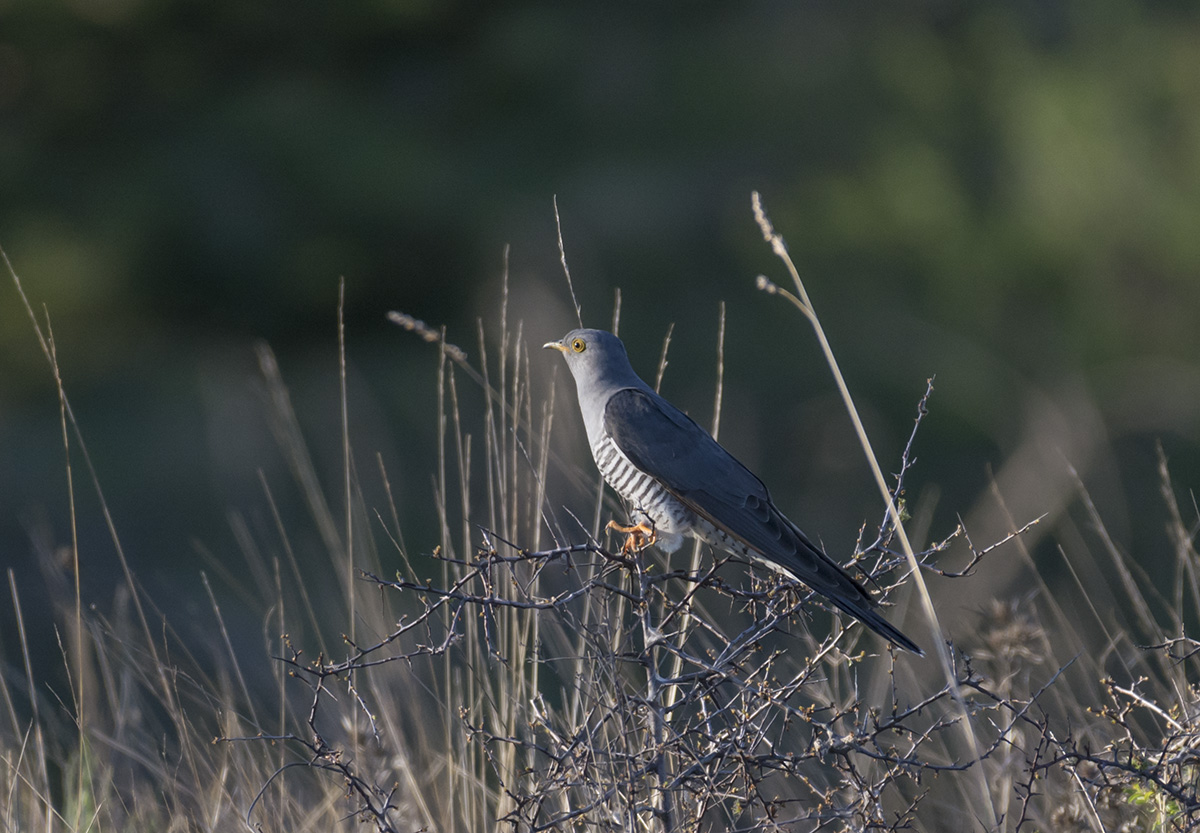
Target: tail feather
(821,573)
(878,624)
(782,546)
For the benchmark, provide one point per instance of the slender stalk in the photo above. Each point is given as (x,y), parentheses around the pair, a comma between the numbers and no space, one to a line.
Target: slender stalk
(80,692)
(685,620)
(347,497)
(802,302)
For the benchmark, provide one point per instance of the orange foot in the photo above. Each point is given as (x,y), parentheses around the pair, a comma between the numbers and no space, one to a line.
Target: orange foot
(640,536)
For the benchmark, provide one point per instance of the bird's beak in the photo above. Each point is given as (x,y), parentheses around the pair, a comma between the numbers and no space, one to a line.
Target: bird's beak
(555,345)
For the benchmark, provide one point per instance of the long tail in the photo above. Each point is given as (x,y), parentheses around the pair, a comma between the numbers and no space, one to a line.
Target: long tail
(877,623)
(801,559)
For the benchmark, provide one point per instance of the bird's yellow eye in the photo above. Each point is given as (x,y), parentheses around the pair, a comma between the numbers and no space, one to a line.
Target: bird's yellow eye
(578,345)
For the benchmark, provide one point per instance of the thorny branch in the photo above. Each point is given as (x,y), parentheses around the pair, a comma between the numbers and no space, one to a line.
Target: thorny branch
(741,719)
(747,709)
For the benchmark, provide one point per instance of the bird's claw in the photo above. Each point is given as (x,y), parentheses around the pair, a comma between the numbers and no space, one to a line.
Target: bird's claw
(641,535)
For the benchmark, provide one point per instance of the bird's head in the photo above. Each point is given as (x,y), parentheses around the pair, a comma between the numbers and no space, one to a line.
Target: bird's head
(596,359)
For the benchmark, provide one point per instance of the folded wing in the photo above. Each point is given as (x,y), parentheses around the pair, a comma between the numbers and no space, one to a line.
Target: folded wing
(668,445)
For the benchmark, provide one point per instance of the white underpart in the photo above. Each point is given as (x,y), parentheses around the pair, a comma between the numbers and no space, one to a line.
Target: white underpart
(649,502)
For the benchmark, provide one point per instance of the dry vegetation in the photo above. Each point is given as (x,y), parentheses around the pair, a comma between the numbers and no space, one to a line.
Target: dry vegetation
(522,675)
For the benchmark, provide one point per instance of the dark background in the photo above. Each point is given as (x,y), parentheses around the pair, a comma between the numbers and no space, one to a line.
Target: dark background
(1006,195)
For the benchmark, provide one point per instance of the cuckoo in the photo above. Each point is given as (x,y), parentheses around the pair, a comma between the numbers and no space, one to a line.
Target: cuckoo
(677,480)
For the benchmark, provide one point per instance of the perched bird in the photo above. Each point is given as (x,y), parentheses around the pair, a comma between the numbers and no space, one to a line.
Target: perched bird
(678,480)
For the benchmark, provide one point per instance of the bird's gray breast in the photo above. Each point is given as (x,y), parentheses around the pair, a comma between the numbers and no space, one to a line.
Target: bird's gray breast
(645,495)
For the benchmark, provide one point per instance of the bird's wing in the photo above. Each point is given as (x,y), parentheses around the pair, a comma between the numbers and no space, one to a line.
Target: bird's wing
(668,445)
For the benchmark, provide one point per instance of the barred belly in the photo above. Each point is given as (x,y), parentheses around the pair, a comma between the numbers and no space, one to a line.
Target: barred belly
(649,502)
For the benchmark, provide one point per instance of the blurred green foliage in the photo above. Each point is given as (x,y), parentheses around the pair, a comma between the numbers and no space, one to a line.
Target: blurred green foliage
(1005,194)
